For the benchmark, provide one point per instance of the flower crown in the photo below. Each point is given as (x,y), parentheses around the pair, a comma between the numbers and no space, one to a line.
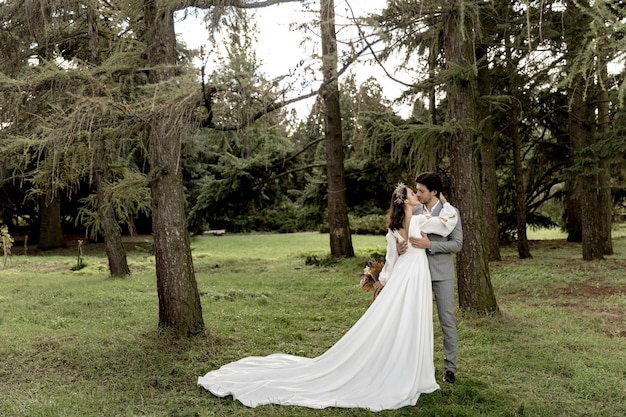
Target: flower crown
(398,193)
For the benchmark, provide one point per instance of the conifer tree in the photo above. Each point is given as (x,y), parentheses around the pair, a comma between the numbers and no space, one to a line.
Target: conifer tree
(340,237)
(448,32)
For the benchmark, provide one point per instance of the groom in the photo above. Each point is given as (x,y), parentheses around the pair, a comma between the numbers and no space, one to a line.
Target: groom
(439,250)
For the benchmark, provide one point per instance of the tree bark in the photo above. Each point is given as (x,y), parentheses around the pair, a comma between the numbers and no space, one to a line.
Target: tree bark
(587,179)
(116,253)
(573,209)
(340,237)
(523,248)
(581,133)
(488,161)
(474,281)
(50,231)
(180,309)
(605,200)
(573,225)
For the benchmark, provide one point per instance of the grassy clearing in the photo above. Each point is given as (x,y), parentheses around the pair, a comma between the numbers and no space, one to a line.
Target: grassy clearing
(78,343)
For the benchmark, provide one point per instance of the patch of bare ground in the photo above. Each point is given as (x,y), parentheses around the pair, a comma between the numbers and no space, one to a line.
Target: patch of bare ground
(49,267)
(583,295)
(21,245)
(542,244)
(580,296)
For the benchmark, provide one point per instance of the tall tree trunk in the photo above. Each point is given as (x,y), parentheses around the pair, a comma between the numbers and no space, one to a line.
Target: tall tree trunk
(180,309)
(474,281)
(586,183)
(340,237)
(605,201)
(116,254)
(573,225)
(605,205)
(573,204)
(488,160)
(433,57)
(523,248)
(50,231)
(581,133)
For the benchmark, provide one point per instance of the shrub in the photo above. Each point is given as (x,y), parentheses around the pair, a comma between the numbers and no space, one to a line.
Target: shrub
(372,224)
(313,260)
(284,219)
(6,241)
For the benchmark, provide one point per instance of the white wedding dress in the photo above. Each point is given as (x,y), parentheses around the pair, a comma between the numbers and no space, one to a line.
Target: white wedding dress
(385,361)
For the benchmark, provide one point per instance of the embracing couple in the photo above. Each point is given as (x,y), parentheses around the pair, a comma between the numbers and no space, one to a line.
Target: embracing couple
(385,360)
(439,250)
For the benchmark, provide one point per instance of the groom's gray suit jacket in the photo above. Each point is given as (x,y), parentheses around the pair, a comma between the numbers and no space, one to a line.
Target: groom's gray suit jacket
(440,260)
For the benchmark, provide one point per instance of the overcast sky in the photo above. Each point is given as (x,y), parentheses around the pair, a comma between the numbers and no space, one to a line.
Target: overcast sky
(278,49)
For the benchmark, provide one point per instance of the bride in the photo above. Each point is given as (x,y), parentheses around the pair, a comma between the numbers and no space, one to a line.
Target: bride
(385,361)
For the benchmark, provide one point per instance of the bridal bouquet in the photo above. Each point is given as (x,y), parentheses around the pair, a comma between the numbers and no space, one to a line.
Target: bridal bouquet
(370,275)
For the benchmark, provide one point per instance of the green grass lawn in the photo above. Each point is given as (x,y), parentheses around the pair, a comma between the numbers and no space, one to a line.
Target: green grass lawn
(78,343)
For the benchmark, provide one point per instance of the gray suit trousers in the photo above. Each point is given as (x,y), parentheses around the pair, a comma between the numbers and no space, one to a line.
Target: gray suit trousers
(444,297)
(442,273)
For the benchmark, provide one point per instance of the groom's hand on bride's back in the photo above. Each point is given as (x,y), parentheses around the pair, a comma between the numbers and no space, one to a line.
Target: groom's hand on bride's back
(420,242)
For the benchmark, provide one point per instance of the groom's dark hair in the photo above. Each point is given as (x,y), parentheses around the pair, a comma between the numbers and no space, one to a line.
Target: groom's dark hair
(430,180)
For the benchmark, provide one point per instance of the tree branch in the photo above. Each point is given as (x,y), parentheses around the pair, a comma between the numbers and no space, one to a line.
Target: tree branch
(368,46)
(277,105)
(291,171)
(295,154)
(239,4)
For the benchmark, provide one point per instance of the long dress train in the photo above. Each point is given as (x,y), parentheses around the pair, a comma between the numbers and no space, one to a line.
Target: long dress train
(385,361)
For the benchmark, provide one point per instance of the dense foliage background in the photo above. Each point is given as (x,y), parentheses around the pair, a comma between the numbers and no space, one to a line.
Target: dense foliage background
(269,175)
(107,128)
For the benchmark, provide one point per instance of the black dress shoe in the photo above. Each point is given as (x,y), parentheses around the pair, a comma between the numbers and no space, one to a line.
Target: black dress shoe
(449,377)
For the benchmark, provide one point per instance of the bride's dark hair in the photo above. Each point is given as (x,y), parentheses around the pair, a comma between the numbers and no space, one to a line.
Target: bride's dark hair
(395,220)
